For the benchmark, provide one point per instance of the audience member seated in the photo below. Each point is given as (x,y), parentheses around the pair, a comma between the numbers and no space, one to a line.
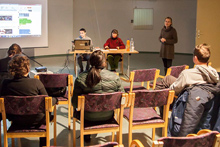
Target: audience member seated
(196,87)
(13,50)
(22,85)
(96,80)
(201,74)
(114,42)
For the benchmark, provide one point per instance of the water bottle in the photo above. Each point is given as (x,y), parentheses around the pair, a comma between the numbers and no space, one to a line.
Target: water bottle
(132,45)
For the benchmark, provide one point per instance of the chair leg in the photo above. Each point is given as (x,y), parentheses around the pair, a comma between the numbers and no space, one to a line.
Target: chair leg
(153,134)
(69,107)
(129,135)
(81,140)
(71,112)
(55,127)
(0,134)
(164,132)
(113,136)
(74,132)
(12,142)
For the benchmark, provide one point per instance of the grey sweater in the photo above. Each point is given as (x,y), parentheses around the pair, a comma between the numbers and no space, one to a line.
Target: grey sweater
(198,75)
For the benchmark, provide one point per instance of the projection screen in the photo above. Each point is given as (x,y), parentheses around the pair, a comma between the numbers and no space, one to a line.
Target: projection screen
(24,22)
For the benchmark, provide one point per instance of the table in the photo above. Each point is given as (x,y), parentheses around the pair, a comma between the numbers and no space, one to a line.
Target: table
(106,52)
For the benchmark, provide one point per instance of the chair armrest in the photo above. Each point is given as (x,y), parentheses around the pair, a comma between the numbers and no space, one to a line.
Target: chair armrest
(157,144)
(126,80)
(160,76)
(136,143)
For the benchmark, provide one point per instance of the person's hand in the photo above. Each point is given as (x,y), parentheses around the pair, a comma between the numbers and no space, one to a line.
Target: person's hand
(106,47)
(117,47)
(163,40)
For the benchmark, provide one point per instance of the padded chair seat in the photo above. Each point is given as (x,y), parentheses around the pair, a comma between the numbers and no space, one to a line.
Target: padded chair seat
(135,87)
(108,144)
(143,116)
(102,124)
(20,129)
(62,98)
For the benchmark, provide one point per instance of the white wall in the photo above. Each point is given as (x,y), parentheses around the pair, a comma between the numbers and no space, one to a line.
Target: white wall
(60,28)
(99,17)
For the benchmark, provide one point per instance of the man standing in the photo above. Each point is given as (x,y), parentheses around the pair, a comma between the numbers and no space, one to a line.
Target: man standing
(83,57)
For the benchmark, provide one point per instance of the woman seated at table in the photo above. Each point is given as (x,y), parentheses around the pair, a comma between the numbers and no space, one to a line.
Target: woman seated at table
(22,85)
(96,80)
(114,42)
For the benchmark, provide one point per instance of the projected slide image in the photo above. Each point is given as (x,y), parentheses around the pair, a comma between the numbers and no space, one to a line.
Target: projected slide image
(18,20)
(5,18)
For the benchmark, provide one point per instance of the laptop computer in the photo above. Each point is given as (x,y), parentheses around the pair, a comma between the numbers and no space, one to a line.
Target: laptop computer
(81,44)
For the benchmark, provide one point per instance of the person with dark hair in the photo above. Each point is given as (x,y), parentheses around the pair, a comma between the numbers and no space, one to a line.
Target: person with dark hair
(168,37)
(202,73)
(84,57)
(96,80)
(114,42)
(22,85)
(13,50)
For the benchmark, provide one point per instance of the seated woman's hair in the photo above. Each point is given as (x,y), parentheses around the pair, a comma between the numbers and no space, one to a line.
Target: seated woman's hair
(202,52)
(14,49)
(19,65)
(97,61)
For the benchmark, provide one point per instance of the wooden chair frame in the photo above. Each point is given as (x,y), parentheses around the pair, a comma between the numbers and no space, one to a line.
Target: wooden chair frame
(163,125)
(70,95)
(216,143)
(131,80)
(48,108)
(169,70)
(81,104)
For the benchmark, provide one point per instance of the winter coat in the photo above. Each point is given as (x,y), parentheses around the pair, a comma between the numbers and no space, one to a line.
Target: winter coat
(192,110)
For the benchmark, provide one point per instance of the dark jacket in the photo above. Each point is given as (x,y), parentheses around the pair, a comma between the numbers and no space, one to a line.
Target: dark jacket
(167,48)
(110,82)
(192,110)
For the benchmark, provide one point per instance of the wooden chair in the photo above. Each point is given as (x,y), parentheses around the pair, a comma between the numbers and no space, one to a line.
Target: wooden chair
(142,115)
(97,103)
(175,70)
(141,75)
(59,81)
(27,105)
(136,143)
(204,138)
(121,60)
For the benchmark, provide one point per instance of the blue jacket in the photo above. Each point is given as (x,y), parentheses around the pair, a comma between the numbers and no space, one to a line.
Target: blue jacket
(193,110)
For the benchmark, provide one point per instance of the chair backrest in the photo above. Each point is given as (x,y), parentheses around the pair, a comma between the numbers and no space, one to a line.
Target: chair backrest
(95,102)
(151,98)
(176,70)
(204,140)
(24,105)
(144,75)
(54,80)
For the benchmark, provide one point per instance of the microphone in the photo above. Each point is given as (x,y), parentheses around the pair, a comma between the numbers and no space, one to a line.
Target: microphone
(38,69)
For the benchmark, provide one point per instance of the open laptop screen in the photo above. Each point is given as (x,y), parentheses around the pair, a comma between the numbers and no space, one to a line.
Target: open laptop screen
(82,44)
